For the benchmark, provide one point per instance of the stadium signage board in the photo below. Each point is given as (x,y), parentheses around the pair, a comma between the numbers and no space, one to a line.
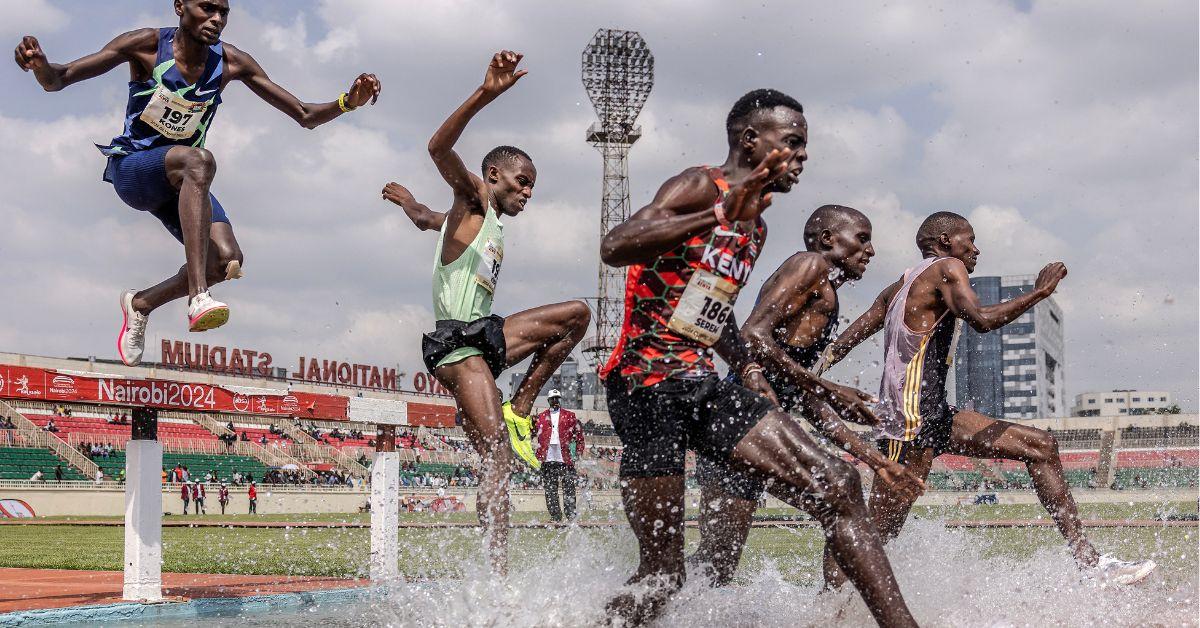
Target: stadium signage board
(23,382)
(236,360)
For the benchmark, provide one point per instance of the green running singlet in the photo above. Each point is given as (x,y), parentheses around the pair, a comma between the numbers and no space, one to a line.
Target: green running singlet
(463,289)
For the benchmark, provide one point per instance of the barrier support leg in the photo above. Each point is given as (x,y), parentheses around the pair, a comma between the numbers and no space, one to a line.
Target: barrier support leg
(385,507)
(143,510)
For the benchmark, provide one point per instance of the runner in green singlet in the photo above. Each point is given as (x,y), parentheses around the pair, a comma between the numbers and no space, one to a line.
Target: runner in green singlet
(471,346)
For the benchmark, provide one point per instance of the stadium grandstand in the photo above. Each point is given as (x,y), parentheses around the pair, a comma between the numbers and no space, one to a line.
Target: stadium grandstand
(327,439)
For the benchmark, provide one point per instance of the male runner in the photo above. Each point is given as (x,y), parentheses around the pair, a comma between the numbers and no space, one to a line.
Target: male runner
(794,319)
(689,252)
(159,165)
(471,346)
(920,314)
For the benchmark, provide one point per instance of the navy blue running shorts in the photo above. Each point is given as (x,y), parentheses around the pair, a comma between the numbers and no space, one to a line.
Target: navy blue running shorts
(140,179)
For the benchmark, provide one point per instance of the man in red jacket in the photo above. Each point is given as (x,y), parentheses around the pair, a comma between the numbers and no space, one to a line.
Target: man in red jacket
(556,429)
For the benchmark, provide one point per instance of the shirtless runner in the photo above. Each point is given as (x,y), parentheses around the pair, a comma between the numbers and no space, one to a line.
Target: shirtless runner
(794,319)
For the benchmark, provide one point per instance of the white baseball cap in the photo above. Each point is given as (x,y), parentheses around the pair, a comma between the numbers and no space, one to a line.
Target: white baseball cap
(554,393)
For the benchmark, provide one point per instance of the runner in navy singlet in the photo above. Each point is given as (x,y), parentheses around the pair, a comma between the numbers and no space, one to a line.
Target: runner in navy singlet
(795,318)
(159,165)
(689,253)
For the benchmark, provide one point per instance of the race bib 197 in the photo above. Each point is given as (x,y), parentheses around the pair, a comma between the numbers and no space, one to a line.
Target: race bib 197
(174,117)
(487,271)
(703,308)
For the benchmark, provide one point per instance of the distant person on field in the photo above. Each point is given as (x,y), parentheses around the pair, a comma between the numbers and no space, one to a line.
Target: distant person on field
(252,494)
(185,493)
(58,474)
(555,431)
(223,497)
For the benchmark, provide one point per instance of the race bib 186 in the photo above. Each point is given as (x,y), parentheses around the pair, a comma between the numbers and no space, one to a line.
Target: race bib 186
(487,271)
(174,117)
(703,308)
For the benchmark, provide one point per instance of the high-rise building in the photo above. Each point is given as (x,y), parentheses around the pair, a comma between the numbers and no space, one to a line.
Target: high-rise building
(1118,402)
(1017,371)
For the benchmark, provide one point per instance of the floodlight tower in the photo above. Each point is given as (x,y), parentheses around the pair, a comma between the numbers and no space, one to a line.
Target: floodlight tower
(618,72)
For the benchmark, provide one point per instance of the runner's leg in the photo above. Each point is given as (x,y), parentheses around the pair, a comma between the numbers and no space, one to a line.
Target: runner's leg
(191,171)
(888,512)
(222,249)
(548,333)
(474,390)
(978,436)
(724,525)
(828,488)
(655,508)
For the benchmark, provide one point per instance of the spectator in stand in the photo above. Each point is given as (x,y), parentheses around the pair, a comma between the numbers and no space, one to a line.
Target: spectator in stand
(37,476)
(223,497)
(58,474)
(51,427)
(252,494)
(121,476)
(184,475)
(229,426)
(556,430)
(99,477)
(198,495)
(185,493)
(262,440)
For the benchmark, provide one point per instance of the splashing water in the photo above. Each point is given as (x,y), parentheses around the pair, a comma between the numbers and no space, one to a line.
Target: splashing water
(950,577)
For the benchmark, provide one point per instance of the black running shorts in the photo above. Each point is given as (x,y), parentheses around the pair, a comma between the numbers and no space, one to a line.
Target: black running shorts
(716,473)
(658,424)
(934,434)
(484,334)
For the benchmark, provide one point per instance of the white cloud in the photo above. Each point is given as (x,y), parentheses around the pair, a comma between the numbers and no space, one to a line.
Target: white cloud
(1065,132)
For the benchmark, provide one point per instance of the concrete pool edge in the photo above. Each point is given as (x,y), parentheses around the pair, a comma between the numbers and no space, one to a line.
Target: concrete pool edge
(196,608)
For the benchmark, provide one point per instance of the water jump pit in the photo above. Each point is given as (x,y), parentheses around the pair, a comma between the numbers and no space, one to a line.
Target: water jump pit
(996,572)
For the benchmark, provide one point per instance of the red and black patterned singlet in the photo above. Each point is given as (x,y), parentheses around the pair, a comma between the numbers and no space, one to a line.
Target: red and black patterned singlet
(652,346)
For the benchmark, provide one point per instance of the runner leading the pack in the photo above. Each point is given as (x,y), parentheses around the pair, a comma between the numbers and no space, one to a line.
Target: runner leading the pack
(470,346)
(920,314)
(159,165)
(794,319)
(689,252)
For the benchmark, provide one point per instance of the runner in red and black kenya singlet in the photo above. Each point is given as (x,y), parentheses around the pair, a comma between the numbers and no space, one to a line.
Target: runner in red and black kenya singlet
(676,306)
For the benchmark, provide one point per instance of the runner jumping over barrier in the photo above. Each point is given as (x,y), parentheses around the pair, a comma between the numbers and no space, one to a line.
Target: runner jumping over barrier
(470,346)
(159,165)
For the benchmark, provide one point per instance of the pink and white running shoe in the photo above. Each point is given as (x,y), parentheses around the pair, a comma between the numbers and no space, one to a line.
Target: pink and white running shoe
(132,339)
(205,313)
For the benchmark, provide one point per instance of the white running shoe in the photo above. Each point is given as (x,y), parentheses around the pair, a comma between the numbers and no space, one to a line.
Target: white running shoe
(205,313)
(132,339)
(1113,570)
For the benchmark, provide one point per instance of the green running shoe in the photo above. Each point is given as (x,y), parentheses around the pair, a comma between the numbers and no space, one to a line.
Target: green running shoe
(520,435)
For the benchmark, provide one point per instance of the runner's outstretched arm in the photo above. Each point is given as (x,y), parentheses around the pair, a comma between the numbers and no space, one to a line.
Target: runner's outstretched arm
(424,218)
(501,74)
(786,291)
(963,303)
(243,67)
(865,326)
(827,421)
(683,208)
(55,76)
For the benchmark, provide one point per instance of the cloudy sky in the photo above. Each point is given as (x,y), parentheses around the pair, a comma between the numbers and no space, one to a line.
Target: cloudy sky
(1063,130)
